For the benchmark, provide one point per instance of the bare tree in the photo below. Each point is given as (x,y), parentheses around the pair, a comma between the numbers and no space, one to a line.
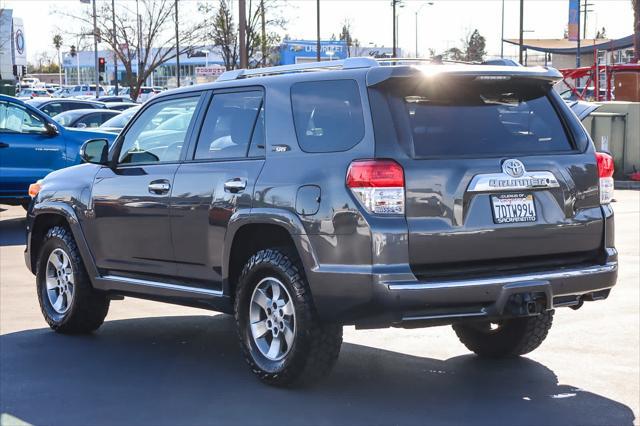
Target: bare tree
(152,31)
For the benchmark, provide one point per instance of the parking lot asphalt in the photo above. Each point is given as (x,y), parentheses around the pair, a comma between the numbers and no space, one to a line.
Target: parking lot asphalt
(158,364)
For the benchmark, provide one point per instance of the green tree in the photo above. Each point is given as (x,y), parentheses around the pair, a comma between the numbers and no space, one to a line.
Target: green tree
(474,47)
(345,35)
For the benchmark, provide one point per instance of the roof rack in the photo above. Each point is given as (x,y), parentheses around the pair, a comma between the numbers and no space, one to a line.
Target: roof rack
(345,64)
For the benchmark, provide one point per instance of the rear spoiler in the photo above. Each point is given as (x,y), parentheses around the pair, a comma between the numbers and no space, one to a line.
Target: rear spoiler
(378,75)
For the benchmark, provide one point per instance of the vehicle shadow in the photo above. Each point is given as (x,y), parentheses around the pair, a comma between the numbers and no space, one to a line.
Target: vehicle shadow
(12,231)
(189,371)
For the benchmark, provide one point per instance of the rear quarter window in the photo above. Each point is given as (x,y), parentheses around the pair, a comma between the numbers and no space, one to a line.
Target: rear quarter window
(327,115)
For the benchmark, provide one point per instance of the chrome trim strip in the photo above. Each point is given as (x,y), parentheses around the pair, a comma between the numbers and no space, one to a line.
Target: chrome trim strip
(569,273)
(166,286)
(503,182)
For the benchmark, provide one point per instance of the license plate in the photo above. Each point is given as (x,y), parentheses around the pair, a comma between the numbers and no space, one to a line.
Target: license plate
(513,208)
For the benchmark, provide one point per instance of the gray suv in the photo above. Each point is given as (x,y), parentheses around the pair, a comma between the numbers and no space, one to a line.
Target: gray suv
(359,192)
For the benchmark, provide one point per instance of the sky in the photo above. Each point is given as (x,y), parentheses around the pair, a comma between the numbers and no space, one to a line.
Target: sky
(440,26)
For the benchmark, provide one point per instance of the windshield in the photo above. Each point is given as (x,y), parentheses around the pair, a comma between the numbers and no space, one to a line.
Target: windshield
(120,120)
(66,118)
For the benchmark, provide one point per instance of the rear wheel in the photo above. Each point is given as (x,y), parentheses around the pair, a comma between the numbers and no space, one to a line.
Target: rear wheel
(282,340)
(68,302)
(507,338)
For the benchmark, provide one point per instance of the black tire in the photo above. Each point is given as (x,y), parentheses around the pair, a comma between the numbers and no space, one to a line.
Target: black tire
(316,345)
(88,307)
(512,337)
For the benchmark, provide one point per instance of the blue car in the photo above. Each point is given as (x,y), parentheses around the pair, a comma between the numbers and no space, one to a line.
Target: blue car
(31,146)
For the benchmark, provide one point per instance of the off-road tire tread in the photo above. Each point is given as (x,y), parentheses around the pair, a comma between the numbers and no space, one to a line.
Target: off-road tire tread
(323,339)
(90,307)
(526,335)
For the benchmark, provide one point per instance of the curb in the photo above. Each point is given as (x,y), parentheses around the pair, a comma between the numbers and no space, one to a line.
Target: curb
(627,184)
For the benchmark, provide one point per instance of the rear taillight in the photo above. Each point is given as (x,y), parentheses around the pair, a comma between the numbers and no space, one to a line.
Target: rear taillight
(605,172)
(378,185)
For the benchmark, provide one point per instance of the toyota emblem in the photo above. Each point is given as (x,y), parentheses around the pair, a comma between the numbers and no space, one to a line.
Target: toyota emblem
(513,168)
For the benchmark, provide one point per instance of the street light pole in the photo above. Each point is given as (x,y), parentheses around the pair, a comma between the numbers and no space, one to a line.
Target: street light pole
(95,50)
(115,43)
(417,12)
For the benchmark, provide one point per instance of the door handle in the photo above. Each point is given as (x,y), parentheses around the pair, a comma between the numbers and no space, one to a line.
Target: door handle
(159,187)
(235,185)
(4,145)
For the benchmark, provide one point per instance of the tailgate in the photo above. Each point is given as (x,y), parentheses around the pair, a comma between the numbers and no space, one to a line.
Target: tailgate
(494,177)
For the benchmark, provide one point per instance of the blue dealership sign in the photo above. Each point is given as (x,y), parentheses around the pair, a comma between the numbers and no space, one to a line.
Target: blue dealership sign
(294,51)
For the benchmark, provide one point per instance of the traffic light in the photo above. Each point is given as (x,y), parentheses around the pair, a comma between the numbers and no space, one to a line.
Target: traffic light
(72,51)
(101,64)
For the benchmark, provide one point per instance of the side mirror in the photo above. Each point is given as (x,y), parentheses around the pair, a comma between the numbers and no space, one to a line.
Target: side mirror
(51,129)
(95,151)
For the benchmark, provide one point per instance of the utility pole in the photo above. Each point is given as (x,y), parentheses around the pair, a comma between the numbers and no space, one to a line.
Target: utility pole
(242,17)
(95,49)
(521,31)
(264,34)
(115,43)
(318,30)
(177,48)
(502,33)
(393,3)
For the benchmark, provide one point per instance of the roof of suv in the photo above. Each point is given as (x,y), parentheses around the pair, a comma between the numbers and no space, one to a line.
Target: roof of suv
(376,72)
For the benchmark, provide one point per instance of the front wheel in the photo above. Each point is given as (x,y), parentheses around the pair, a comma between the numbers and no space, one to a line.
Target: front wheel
(68,302)
(506,338)
(282,340)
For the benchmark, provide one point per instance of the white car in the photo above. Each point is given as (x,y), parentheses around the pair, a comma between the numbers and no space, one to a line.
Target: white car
(85,90)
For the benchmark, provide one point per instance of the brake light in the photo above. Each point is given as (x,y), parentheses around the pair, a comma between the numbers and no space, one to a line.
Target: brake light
(378,185)
(605,173)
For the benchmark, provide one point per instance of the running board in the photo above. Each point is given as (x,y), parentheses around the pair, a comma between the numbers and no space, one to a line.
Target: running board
(179,294)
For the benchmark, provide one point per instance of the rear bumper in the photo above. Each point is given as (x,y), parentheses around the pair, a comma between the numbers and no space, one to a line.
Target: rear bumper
(413,303)
(424,303)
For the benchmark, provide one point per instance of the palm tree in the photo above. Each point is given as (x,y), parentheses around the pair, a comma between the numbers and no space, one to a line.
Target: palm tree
(57,42)
(636,30)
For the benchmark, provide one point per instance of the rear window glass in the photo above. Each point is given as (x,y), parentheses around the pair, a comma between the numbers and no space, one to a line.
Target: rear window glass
(467,117)
(327,115)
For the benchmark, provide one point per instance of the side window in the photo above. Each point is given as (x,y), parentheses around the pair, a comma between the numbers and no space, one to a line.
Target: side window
(53,109)
(16,119)
(327,115)
(150,140)
(228,126)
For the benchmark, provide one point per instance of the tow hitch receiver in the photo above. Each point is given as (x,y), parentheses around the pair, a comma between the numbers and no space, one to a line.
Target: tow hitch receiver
(526,304)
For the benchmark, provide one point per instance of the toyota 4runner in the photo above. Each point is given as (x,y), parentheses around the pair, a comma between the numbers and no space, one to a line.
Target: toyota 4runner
(304,198)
